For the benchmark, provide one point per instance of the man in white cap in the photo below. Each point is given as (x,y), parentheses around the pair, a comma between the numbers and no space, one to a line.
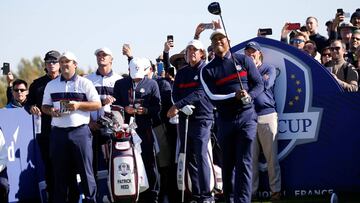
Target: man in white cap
(140,96)
(187,92)
(232,87)
(104,80)
(69,99)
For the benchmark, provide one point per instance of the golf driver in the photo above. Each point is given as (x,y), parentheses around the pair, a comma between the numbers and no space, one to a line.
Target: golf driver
(215,9)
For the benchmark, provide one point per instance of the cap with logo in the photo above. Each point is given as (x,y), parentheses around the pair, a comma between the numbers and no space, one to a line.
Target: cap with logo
(253,45)
(196,43)
(52,56)
(139,67)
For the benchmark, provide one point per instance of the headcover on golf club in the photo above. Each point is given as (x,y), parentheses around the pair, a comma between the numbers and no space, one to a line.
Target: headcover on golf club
(187,110)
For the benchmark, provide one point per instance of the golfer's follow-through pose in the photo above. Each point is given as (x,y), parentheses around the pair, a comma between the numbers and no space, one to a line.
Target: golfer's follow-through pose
(236,116)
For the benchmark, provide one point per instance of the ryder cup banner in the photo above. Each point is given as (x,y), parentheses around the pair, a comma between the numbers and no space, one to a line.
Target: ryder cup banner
(22,154)
(319,128)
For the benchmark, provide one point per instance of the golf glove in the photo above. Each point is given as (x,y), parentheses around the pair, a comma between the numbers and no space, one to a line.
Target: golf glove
(188,109)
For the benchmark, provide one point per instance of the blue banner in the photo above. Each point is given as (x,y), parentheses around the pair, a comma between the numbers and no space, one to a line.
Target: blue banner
(23,155)
(318,125)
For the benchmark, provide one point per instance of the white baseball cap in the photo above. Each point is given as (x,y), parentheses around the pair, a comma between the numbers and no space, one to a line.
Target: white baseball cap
(69,55)
(196,43)
(105,50)
(139,67)
(217,32)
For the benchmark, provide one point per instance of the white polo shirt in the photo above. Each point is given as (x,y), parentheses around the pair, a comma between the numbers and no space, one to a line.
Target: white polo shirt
(104,86)
(76,89)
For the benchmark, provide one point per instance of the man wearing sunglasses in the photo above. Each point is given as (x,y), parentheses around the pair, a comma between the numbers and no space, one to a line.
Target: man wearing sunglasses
(354,44)
(33,106)
(343,71)
(19,94)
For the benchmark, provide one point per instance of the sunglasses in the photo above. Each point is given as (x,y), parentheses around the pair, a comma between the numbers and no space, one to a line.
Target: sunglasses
(335,48)
(52,62)
(296,41)
(17,90)
(326,54)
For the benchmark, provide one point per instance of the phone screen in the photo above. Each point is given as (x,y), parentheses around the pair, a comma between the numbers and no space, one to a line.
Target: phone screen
(160,68)
(170,38)
(208,26)
(293,26)
(6,68)
(265,31)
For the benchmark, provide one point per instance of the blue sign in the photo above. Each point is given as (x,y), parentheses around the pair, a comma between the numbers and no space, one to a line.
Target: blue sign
(318,132)
(23,155)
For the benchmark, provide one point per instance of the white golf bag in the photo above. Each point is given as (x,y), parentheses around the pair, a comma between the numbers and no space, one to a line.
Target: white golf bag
(127,176)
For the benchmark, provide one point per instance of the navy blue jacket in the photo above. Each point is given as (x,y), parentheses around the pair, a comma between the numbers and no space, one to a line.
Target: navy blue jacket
(187,90)
(166,101)
(265,102)
(220,81)
(147,91)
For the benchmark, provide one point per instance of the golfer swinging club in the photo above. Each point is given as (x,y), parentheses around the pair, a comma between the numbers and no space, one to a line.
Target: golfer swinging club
(236,119)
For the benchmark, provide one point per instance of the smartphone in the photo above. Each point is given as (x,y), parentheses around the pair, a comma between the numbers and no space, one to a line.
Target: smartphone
(340,11)
(6,68)
(265,31)
(209,26)
(170,38)
(125,46)
(160,68)
(293,26)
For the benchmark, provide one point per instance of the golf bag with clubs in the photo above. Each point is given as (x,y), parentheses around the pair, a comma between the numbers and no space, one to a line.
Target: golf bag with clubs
(127,176)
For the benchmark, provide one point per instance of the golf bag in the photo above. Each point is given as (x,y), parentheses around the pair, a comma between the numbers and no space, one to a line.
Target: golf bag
(127,176)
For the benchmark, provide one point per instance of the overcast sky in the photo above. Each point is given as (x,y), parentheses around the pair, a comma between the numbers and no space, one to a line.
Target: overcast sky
(31,28)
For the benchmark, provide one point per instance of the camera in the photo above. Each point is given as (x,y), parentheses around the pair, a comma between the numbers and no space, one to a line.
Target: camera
(265,31)
(6,68)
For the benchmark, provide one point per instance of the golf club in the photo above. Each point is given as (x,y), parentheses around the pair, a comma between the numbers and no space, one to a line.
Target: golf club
(215,9)
(182,166)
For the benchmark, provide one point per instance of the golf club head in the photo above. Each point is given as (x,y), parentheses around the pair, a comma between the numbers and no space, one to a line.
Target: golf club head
(214,8)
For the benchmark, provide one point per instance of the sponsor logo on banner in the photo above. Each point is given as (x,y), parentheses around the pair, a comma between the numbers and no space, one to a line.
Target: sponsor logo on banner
(299,122)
